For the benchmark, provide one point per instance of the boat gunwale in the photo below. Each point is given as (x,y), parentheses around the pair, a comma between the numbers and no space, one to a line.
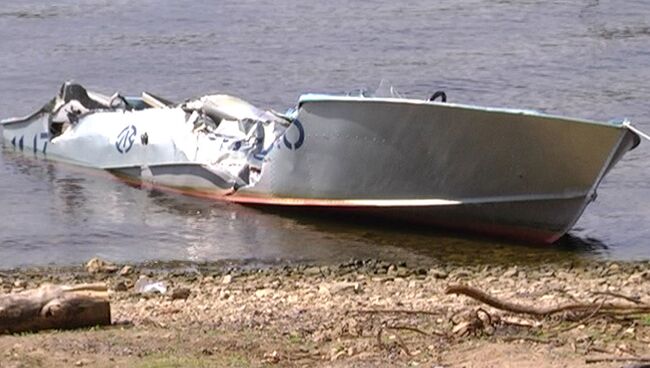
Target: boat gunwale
(316,97)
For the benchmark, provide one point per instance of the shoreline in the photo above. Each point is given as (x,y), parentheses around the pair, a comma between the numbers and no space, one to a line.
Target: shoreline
(356,313)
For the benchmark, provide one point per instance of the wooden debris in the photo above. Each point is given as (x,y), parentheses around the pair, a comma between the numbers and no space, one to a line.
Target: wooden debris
(395,311)
(52,306)
(617,359)
(588,308)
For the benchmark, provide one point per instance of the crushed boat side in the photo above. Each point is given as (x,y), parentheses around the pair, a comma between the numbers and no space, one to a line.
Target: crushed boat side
(210,144)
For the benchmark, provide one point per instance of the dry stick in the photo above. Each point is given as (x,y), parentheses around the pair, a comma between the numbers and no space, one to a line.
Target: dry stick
(595,311)
(516,324)
(598,350)
(607,308)
(527,338)
(635,300)
(415,329)
(401,343)
(583,320)
(379,342)
(566,293)
(617,359)
(395,311)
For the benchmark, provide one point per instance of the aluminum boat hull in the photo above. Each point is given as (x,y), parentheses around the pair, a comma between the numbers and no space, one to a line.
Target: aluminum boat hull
(500,172)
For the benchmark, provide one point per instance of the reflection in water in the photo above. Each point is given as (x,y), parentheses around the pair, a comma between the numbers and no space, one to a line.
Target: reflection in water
(71,193)
(426,244)
(89,212)
(586,244)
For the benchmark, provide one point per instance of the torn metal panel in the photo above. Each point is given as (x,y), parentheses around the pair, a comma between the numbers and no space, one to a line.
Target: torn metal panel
(214,143)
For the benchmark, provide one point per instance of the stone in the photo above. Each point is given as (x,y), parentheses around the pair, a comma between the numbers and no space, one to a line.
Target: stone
(612,269)
(312,271)
(126,270)
(462,274)
(271,358)
(338,355)
(339,287)
(402,272)
(512,272)
(438,274)
(227,279)
(96,265)
(208,279)
(121,286)
(224,294)
(639,277)
(635,278)
(263,293)
(392,270)
(180,293)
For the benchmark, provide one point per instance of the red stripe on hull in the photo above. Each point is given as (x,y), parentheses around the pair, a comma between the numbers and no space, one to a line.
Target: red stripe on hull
(413,215)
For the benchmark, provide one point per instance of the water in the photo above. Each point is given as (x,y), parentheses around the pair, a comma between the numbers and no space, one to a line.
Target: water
(588,59)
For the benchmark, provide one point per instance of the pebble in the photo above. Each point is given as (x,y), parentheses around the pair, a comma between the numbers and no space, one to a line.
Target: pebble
(438,274)
(224,294)
(227,279)
(126,270)
(96,265)
(263,293)
(120,286)
(512,272)
(338,287)
(180,293)
(402,272)
(312,271)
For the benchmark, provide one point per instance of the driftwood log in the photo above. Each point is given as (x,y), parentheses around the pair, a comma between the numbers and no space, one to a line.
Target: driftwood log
(55,307)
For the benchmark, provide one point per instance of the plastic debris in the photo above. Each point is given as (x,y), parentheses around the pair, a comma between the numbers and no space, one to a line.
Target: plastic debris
(145,285)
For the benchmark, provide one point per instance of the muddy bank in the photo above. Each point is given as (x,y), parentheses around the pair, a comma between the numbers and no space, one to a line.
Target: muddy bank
(357,313)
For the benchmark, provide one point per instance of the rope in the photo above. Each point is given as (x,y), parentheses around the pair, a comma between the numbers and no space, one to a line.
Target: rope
(636,130)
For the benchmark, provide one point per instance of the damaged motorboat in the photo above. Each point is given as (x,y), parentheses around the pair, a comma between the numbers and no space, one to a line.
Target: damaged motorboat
(511,173)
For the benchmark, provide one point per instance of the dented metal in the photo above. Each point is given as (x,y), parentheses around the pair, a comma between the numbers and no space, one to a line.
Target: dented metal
(214,144)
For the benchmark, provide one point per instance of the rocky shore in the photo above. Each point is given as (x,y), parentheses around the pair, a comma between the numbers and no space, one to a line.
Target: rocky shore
(362,313)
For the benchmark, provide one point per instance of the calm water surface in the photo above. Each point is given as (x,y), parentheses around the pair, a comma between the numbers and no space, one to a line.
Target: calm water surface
(587,59)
